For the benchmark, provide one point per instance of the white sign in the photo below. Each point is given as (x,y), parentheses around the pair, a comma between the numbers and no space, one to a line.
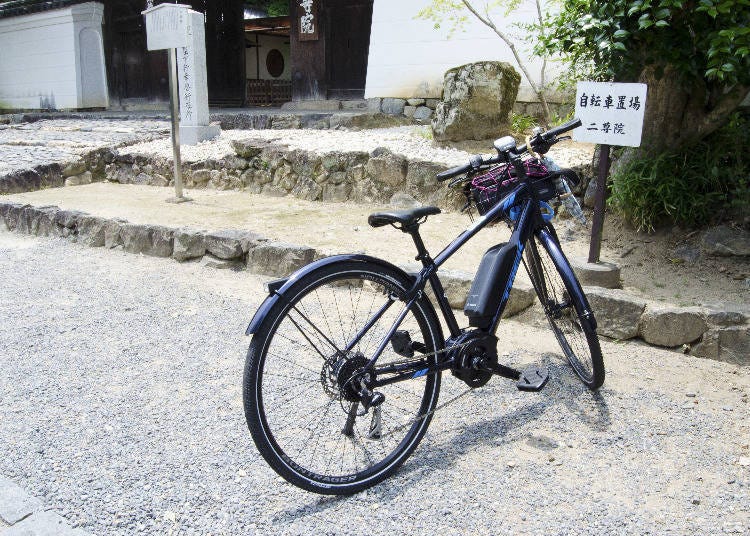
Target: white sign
(166,26)
(611,114)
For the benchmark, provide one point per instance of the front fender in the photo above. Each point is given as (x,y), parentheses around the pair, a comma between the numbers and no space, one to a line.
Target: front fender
(278,288)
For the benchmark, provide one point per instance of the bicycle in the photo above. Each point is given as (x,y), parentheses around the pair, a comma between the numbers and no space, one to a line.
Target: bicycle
(340,386)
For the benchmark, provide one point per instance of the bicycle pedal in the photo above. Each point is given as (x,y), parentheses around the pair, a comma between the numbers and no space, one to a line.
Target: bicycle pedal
(533,379)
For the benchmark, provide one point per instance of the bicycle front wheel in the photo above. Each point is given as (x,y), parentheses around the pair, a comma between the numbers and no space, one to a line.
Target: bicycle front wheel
(299,393)
(577,337)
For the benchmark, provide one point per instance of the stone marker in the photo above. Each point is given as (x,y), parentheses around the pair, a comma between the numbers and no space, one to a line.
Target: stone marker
(191,72)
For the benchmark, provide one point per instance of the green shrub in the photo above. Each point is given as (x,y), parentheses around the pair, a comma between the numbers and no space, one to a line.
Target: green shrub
(522,123)
(692,187)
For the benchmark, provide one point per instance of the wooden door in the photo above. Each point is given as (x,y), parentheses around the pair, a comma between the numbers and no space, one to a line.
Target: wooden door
(347,46)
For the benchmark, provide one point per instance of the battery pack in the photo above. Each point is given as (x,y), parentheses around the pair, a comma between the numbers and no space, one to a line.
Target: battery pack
(483,300)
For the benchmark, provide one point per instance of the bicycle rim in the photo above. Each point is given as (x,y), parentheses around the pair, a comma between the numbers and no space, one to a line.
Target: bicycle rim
(577,339)
(302,410)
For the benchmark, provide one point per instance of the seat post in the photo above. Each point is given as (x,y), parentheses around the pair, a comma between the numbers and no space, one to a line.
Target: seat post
(422,253)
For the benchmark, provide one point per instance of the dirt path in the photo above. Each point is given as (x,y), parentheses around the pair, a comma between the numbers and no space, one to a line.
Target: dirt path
(649,266)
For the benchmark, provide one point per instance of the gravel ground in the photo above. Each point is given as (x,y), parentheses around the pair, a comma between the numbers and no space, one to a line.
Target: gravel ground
(121,408)
(410,141)
(27,145)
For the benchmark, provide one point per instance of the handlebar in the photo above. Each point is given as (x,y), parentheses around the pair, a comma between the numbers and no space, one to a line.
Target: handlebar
(540,143)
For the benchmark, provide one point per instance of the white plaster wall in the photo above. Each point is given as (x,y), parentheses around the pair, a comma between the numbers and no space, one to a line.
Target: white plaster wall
(408,56)
(267,43)
(41,60)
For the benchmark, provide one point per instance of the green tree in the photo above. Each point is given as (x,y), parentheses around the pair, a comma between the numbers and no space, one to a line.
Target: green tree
(456,13)
(693,54)
(274,8)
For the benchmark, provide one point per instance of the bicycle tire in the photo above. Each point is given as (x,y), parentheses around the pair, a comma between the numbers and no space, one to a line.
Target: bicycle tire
(576,336)
(317,455)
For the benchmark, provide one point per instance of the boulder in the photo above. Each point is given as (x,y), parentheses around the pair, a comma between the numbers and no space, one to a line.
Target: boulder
(730,344)
(477,101)
(112,237)
(726,242)
(671,326)
(617,313)
(278,258)
(22,180)
(77,180)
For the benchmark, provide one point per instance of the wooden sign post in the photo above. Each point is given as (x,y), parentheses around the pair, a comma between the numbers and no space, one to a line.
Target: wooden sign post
(167,28)
(612,114)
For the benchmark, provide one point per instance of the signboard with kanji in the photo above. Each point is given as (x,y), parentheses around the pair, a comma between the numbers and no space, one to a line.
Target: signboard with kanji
(166,26)
(307,12)
(612,114)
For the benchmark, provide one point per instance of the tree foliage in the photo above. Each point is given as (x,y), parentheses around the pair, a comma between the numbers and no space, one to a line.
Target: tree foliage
(615,39)
(274,8)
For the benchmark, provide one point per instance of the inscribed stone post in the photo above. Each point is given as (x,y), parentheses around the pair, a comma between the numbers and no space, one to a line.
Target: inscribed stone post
(191,72)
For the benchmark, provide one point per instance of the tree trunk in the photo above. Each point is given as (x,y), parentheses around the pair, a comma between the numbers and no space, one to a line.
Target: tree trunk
(679,114)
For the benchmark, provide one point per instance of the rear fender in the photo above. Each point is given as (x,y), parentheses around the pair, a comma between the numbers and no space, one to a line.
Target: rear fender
(277,289)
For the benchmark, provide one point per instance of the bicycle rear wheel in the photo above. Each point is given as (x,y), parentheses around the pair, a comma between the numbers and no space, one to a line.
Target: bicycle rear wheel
(576,335)
(299,405)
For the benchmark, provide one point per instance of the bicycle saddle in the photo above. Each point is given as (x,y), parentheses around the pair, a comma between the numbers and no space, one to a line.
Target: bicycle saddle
(406,218)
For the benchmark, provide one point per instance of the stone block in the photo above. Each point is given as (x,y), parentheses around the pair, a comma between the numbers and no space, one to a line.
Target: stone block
(46,225)
(248,148)
(387,168)
(209,261)
(599,274)
(734,345)
(74,168)
(393,106)
(68,218)
(726,242)
(152,240)
(230,243)
(188,244)
(278,258)
(617,313)
(15,503)
(421,175)
(409,111)
(415,102)
(374,105)
(43,523)
(77,180)
(112,237)
(91,231)
(422,114)
(672,326)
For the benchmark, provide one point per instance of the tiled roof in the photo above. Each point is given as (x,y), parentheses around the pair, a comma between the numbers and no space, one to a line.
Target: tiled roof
(13,8)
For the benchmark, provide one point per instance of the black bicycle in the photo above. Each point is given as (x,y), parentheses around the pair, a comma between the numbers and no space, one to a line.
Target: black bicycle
(344,368)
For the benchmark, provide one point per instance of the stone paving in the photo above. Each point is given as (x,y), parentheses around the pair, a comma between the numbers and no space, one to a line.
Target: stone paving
(24,515)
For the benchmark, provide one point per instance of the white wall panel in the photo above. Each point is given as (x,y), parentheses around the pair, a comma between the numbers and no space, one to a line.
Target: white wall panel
(408,57)
(41,59)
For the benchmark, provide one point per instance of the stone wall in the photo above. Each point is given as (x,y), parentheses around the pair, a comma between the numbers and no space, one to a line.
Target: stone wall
(721,333)
(271,169)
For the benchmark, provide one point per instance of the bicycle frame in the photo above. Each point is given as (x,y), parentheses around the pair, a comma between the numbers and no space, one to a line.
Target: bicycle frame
(529,222)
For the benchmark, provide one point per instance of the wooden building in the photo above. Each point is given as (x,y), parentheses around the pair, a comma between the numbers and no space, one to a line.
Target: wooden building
(330,42)
(135,77)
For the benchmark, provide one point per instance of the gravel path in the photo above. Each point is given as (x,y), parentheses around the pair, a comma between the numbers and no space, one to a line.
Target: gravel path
(27,145)
(121,409)
(410,141)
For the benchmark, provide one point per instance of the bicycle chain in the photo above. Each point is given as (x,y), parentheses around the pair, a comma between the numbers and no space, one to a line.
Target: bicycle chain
(439,407)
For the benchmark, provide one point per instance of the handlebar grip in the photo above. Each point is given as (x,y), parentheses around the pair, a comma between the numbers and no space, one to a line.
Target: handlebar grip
(448,173)
(570,125)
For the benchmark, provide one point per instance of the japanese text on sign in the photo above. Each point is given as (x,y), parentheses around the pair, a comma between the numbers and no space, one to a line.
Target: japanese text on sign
(308,27)
(611,114)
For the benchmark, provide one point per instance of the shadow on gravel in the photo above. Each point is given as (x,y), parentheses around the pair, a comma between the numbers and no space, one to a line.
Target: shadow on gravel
(564,388)
(590,407)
